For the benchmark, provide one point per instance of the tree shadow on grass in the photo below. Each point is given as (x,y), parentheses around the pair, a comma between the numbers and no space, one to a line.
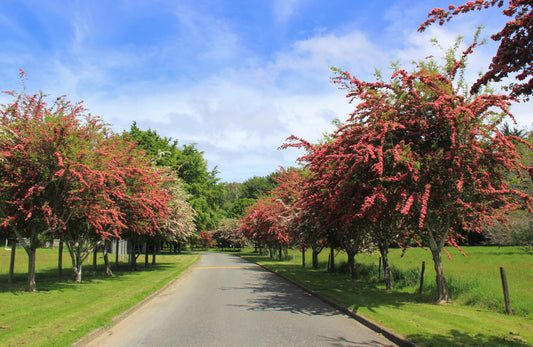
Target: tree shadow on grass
(49,280)
(457,338)
(353,294)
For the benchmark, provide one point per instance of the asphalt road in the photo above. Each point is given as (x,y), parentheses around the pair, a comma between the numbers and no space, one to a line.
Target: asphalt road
(227,301)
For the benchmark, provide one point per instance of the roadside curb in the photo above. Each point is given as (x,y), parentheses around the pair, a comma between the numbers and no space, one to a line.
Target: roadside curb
(397,339)
(117,319)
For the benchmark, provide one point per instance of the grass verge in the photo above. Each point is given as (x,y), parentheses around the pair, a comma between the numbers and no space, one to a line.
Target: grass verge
(63,311)
(413,315)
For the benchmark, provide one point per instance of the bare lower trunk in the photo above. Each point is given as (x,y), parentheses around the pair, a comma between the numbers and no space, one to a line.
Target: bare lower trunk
(303,257)
(154,251)
(332,260)
(436,246)
(60,258)
(31,269)
(386,267)
(315,259)
(116,252)
(351,264)
(146,255)
(95,258)
(12,261)
(77,268)
(133,256)
(108,271)
(442,288)
(77,274)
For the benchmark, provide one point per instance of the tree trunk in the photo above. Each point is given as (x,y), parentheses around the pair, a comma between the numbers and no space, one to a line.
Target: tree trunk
(108,271)
(315,259)
(303,257)
(77,274)
(351,264)
(78,267)
(31,269)
(12,261)
(154,251)
(133,255)
(116,251)
(442,288)
(280,256)
(60,258)
(146,255)
(332,260)
(386,267)
(95,257)
(436,247)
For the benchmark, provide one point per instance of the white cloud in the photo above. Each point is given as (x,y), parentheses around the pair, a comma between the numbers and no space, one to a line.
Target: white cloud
(205,90)
(351,51)
(284,9)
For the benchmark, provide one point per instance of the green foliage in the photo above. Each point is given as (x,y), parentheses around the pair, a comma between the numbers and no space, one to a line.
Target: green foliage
(239,207)
(258,186)
(203,185)
(231,194)
(524,235)
(238,196)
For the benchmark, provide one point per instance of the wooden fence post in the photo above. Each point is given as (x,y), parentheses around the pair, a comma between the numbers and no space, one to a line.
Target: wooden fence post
(422,277)
(506,297)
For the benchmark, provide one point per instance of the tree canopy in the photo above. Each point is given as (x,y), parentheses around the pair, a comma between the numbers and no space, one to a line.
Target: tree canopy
(516,42)
(189,164)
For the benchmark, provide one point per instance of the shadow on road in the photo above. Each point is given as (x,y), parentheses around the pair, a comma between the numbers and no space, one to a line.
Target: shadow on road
(273,293)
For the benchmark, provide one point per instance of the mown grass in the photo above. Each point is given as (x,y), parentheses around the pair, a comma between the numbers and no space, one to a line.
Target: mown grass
(63,311)
(475,316)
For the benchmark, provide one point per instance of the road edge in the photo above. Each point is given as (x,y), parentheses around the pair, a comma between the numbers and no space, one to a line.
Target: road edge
(85,340)
(378,328)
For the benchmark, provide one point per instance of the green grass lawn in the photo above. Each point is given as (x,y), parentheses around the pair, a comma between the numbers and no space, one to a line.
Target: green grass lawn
(63,311)
(474,318)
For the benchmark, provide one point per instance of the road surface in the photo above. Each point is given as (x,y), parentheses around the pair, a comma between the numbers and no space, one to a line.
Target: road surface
(227,301)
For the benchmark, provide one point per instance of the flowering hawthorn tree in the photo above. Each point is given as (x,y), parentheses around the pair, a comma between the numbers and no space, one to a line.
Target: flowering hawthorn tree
(179,225)
(355,186)
(334,196)
(137,190)
(516,42)
(205,239)
(63,173)
(295,219)
(228,235)
(445,148)
(263,223)
(47,171)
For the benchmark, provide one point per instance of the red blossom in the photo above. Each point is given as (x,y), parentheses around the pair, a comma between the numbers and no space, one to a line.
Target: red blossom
(516,42)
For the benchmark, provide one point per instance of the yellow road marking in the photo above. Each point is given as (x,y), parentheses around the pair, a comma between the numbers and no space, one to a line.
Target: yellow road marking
(224,267)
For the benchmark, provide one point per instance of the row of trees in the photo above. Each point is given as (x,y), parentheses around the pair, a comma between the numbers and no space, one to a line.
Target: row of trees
(422,160)
(64,174)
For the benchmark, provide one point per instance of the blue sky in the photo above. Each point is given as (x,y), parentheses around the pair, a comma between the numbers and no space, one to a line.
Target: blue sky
(235,77)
